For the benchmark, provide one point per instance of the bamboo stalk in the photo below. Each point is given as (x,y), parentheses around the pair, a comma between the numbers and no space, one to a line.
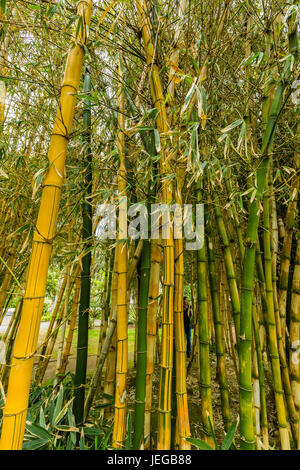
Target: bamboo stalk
(140,394)
(261,378)
(63,329)
(164,407)
(271,320)
(50,327)
(230,270)
(294,363)
(16,404)
(205,373)
(87,232)
(109,383)
(69,338)
(151,333)
(50,342)
(221,367)
(96,379)
(105,294)
(121,253)
(183,423)
(293,203)
(256,397)
(247,435)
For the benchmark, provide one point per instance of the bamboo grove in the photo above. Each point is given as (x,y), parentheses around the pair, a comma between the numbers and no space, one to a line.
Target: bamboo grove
(146,102)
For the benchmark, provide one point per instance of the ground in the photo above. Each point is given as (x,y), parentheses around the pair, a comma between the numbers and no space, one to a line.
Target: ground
(192,387)
(194,401)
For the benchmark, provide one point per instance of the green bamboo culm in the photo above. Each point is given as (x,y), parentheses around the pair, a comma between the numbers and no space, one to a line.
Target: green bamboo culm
(261,377)
(281,378)
(141,365)
(235,218)
(230,269)
(143,297)
(173,398)
(245,380)
(84,304)
(205,373)
(221,367)
(140,392)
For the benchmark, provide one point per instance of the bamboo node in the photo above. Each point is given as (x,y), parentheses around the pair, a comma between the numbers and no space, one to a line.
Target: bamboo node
(34,298)
(163,411)
(246,441)
(205,385)
(61,135)
(10,415)
(249,390)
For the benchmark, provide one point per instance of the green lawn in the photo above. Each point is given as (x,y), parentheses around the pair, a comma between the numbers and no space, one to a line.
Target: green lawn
(93,343)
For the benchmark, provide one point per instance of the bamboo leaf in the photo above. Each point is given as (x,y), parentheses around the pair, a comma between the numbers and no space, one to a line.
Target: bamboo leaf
(35,444)
(39,431)
(82,445)
(128,440)
(105,442)
(144,128)
(258,55)
(229,437)
(93,431)
(62,413)
(157,141)
(212,430)
(199,443)
(188,97)
(150,114)
(232,126)
(220,139)
(242,135)
(42,418)
(71,421)
(58,406)
(70,444)
(2,173)
(66,428)
(51,11)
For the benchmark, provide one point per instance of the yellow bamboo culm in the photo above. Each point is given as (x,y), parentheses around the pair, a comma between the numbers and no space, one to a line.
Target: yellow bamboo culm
(15,410)
(151,334)
(183,423)
(164,406)
(182,418)
(121,253)
(295,331)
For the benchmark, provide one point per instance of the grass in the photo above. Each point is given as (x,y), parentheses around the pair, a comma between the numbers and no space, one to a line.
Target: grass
(92,348)
(93,344)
